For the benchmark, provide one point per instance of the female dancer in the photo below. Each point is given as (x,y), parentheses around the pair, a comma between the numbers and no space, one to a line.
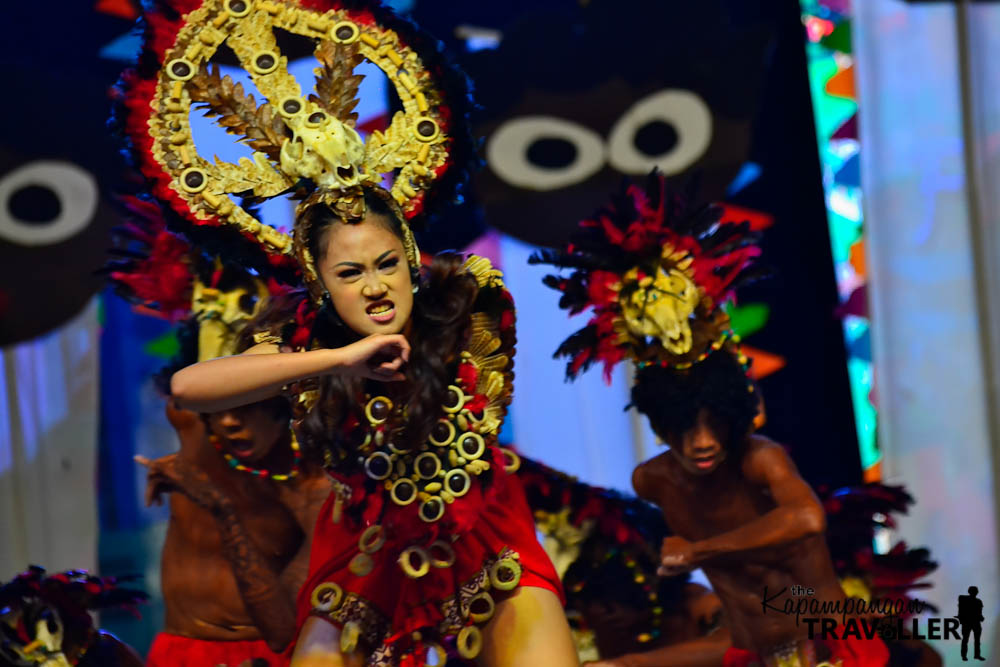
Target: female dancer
(390,341)
(401,375)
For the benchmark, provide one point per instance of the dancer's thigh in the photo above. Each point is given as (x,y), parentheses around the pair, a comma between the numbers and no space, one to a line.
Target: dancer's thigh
(528,628)
(319,646)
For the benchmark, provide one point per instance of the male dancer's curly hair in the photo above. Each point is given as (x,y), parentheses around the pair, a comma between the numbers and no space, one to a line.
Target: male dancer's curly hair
(672,399)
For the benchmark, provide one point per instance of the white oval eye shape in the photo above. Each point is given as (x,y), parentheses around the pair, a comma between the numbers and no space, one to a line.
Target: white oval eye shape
(690,118)
(75,189)
(508,147)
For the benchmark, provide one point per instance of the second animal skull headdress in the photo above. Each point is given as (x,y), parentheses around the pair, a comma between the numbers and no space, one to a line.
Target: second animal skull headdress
(655,272)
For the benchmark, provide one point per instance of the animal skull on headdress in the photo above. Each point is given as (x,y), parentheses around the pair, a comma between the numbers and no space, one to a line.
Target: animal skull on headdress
(661,306)
(324,150)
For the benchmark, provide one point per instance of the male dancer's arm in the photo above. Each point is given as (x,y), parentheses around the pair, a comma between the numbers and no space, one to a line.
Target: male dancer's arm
(706,650)
(270,603)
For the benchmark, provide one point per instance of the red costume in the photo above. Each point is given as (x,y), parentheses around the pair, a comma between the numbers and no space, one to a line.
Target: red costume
(389,606)
(417,545)
(176,651)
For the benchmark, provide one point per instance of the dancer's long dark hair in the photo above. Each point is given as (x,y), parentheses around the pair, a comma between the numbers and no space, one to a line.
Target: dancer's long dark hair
(442,309)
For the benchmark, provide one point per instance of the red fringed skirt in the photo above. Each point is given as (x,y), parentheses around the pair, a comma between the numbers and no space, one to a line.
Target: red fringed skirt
(176,651)
(404,587)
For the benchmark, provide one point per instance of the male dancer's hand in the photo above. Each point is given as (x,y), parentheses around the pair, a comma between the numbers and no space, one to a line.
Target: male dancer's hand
(170,473)
(676,557)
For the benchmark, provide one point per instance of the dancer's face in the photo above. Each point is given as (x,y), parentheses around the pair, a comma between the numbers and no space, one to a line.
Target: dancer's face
(364,268)
(249,432)
(700,449)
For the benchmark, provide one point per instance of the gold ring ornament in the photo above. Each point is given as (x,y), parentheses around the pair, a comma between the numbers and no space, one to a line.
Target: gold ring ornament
(238,8)
(372,539)
(265,62)
(469,642)
(291,106)
(345,32)
(180,69)
(441,547)
(317,119)
(481,607)
(431,509)
(326,597)
(442,433)
(361,565)
(378,409)
(505,574)
(403,491)
(512,462)
(406,562)
(378,465)
(193,180)
(396,450)
(454,399)
(426,129)
(426,143)
(471,446)
(427,465)
(457,482)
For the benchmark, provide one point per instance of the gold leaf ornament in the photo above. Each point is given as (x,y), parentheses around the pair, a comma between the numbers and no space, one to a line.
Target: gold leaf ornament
(237,111)
(336,83)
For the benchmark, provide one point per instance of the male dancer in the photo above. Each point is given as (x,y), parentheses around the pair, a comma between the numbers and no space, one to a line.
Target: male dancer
(237,547)
(655,273)
(740,511)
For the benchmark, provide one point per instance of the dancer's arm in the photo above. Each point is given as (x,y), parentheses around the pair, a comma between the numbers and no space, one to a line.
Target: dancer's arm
(704,609)
(270,603)
(261,372)
(701,652)
(798,514)
(267,598)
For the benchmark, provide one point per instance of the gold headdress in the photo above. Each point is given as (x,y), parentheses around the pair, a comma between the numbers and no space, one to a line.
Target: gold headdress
(303,144)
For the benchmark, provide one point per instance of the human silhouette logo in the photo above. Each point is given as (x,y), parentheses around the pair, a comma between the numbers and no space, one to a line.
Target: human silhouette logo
(970,615)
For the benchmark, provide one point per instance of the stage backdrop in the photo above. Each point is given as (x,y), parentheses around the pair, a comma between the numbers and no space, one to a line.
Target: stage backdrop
(57,165)
(48,449)
(575,97)
(930,133)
